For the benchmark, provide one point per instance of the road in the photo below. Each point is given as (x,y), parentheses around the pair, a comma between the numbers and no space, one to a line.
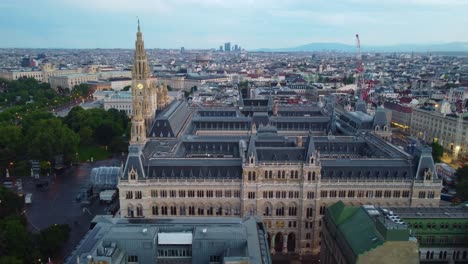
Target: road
(288,259)
(58,205)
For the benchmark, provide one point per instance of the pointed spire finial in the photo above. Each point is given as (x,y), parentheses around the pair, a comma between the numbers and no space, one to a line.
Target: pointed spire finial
(138,24)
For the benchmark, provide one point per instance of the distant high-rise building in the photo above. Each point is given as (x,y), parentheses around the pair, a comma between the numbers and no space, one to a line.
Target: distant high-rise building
(182,50)
(227,46)
(236,48)
(220,47)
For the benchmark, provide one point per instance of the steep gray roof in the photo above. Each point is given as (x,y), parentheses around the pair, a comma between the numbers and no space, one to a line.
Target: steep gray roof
(426,163)
(169,122)
(380,117)
(134,162)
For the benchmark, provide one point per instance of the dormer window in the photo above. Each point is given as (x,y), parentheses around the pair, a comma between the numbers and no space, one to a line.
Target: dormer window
(133,174)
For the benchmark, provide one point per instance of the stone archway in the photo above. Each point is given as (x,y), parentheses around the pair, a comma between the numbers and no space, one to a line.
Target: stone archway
(291,245)
(279,242)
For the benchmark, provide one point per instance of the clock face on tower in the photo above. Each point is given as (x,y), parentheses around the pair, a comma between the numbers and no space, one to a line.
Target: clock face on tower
(140,86)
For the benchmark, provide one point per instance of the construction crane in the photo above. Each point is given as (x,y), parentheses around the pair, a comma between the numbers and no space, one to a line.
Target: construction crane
(359,69)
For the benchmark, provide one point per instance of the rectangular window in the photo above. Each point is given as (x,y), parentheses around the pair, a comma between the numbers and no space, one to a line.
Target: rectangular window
(430,240)
(209,194)
(310,195)
(138,195)
(322,209)
(360,194)
(350,194)
(163,193)
(129,195)
(219,194)
(182,193)
(200,193)
(342,194)
(132,259)
(154,193)
(378,194)
(388,194)
(324,194)
(172,193)
(422,195)
(309,212)
(191,193)
(430,194)
(251,195)
(405,194)
(236,194)
(227,193)
(278,195)
(396,194)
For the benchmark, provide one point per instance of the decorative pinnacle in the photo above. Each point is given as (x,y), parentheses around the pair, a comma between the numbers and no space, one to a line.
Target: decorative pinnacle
(138,25)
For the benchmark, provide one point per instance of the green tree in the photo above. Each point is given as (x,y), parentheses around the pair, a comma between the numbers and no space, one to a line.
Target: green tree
(348,80)
(10,260)
(10,203)
(86,135)
(81,90)
(127,88)
(437,151)
(15,240)
(48,138)
(10,142)
(461,182)
(51,239)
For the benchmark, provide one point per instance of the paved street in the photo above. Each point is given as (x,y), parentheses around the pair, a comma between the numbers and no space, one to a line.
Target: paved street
(288,259)
(58,205)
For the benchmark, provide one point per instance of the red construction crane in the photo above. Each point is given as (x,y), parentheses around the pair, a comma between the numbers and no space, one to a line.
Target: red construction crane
(359,69)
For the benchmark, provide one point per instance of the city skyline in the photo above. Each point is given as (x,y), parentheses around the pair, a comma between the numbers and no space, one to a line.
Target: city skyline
(207,24)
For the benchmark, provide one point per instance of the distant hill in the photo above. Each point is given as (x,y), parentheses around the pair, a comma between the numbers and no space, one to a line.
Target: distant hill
(340,47)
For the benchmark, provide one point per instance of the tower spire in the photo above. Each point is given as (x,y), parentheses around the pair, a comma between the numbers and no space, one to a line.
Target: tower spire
(138,25)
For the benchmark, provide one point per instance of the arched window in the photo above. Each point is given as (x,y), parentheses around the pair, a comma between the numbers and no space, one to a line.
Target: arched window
(155,210)
(267,209)
(130,212)
(292,210)
(139,210)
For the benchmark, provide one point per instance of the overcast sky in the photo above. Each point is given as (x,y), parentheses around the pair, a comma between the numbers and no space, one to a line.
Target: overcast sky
(209,23)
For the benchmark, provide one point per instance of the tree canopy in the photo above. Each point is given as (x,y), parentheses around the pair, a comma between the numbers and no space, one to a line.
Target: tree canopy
(30,131)
(437,151)
(461,183)
(17,244)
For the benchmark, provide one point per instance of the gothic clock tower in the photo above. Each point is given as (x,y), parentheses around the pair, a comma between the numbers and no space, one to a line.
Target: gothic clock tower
(143,92)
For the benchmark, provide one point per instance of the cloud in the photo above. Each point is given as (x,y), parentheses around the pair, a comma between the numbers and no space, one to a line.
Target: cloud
(333,19)
(423,3)
(162,6)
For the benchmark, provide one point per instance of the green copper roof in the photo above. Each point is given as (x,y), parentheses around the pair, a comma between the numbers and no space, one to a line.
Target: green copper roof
(357,227)
(340,212)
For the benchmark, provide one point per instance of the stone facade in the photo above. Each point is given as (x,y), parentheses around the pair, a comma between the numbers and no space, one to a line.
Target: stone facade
(433,126)
(70,80)
(290,196)
(286,168)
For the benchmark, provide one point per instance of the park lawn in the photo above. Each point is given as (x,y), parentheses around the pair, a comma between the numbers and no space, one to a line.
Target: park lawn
(97,152)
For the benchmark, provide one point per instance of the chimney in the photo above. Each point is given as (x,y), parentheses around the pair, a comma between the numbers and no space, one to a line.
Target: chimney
(275,108)
(299,141)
